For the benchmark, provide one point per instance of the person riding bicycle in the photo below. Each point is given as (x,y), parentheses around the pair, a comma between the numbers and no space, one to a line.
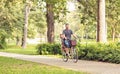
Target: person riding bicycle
(66,38)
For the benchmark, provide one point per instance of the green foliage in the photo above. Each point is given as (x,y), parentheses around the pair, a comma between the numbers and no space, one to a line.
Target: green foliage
(100,52)
(12,19)
(113,14)
(87,10)
(59,8)
(3,44)
(36,22)
(15,66)
(45,49)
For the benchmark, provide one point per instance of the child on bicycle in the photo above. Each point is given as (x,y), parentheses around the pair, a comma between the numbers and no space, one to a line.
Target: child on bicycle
(66,38)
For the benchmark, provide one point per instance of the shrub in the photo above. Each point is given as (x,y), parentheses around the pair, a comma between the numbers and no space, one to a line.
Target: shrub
(98,52)
(45,49)
(101,52)
(56,49)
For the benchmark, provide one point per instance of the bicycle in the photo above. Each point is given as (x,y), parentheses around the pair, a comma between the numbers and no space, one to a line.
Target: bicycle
(73,53)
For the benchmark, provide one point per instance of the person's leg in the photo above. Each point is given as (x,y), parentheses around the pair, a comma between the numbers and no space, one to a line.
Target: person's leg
(67,51)
(63,48)
(66,47)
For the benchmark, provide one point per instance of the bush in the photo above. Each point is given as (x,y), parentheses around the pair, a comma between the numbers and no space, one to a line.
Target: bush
(98,52)
(45,49)
(101,52)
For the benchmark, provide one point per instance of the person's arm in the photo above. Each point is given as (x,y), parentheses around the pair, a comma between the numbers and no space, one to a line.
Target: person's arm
(73,34)
(65,36)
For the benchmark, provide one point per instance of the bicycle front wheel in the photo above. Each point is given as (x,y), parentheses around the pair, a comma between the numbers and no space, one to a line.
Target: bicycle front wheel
(74,55)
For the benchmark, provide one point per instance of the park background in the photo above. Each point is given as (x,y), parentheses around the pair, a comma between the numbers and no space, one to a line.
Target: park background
(33,27)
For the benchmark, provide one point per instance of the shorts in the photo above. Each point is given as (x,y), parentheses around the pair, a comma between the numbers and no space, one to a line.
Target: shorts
(67,43)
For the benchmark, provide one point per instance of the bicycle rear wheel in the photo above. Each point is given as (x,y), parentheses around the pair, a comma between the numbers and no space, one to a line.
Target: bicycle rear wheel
(74,55)
(64,56)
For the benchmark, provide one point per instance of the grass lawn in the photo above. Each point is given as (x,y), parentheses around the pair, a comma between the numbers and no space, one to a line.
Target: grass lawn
(30,50)
(14,66)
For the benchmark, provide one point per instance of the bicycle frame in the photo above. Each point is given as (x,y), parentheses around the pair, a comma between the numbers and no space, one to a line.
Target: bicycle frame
(73,54)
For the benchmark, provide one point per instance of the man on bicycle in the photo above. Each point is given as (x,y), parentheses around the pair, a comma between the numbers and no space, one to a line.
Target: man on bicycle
(66,35)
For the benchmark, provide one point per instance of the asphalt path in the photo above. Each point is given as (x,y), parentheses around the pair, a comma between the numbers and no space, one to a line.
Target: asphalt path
(91,67)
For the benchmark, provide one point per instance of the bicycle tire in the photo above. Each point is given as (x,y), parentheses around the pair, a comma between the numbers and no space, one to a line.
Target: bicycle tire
(74,55)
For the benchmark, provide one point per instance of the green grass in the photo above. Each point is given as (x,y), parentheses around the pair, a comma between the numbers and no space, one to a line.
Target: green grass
(14,66)
(30,50)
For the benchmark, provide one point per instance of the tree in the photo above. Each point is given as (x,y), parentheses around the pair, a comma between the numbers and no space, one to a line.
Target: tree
(52,13)
(87,17)
(50,22)
(101,24)
(113,20)
(87,11)
(37,22)
(27,10)
(10,17)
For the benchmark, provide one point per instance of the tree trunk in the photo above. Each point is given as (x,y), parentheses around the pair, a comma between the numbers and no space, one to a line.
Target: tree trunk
(3,44)
(50,23)
(101,25)
(17,40)
(24,38)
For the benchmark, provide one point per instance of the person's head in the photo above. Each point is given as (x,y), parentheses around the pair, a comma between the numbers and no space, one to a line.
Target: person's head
(67,26)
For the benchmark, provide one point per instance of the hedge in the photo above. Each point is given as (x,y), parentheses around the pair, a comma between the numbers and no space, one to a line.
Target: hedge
(98,52)
(45,49)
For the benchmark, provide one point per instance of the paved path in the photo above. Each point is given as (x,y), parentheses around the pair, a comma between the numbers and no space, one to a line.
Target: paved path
(85,66)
